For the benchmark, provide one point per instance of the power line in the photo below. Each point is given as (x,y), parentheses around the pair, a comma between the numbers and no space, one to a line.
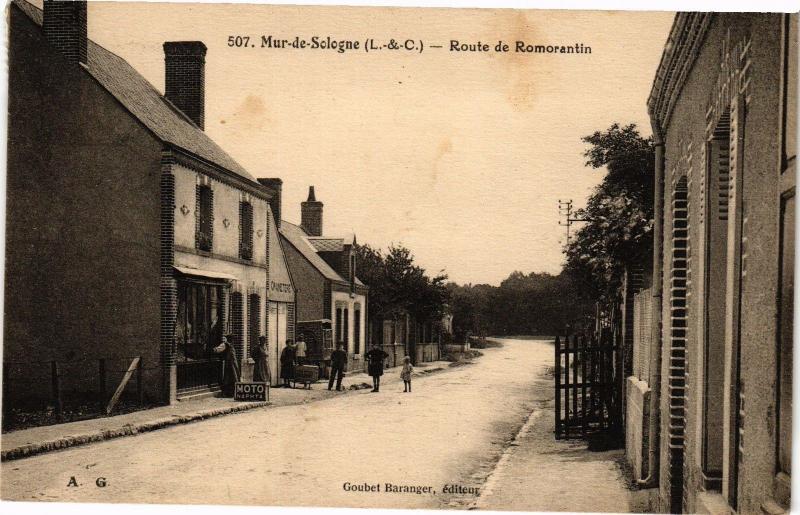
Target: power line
(565,210)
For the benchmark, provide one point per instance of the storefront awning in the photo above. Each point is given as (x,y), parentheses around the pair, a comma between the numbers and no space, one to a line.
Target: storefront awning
(206,274)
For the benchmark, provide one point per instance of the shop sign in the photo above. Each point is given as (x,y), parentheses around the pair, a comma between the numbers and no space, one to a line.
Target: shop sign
(251,392)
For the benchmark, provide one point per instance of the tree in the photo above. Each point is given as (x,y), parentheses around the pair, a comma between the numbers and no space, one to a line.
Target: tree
(618,214)
(369,263)
(532,304)
(398,286)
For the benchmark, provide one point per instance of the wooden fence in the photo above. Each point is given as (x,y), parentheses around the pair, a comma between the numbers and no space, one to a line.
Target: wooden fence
(586,396)
(102,383)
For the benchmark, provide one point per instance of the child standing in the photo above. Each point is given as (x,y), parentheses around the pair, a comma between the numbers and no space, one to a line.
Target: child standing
(405,374)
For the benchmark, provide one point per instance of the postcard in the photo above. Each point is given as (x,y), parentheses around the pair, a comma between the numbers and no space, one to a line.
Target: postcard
(399,257)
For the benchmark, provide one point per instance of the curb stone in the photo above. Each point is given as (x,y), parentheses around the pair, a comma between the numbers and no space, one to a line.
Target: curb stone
(25,451)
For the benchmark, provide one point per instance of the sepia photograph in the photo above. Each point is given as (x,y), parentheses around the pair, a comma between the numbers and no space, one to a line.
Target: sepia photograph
(438,258)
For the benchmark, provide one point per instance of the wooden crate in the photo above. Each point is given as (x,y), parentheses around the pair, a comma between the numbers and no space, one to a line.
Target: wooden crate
(306,374)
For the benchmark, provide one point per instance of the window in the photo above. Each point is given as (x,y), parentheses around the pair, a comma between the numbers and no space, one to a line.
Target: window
(199,321)
(204,237)
(338,325)
(245,230)
(357,331)
(715,294)
(346,328)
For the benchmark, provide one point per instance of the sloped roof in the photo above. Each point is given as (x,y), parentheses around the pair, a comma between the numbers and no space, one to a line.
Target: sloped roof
(306,245)
(146,104)
(327,244)
(299,239)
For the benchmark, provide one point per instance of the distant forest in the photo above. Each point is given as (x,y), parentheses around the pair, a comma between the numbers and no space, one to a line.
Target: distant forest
(533,304)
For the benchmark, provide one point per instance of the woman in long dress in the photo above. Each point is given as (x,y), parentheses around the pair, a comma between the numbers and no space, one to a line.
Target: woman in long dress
(260,355)
(376,357)
(232,372)
(288,360)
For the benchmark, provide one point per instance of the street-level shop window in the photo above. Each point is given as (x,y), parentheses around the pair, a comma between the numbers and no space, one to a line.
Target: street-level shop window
(199,320)
(205,218)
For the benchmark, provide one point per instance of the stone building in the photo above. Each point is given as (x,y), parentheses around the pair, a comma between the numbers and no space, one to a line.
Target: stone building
(709,401)
(331,300)
(129,231)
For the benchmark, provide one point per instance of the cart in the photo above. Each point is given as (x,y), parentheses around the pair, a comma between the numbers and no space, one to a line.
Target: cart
(306,374)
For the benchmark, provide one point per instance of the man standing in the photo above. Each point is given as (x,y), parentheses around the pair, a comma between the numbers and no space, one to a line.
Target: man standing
(338,363)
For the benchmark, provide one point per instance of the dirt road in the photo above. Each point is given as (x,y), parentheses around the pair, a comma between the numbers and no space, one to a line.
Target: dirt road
(451,430)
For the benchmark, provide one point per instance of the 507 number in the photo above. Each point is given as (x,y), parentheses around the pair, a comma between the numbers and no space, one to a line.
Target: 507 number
(239,41)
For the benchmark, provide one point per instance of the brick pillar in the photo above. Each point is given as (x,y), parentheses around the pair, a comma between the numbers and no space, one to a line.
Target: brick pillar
(168,285)
(276,188)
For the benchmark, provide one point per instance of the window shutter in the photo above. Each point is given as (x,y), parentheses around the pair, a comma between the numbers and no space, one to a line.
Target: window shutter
(204,235)
(245,230)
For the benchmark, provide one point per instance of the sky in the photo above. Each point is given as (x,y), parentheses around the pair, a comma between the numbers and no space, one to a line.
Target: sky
(459,156)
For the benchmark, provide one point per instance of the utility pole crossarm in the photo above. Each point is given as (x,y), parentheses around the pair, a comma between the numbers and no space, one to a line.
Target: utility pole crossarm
(565,210)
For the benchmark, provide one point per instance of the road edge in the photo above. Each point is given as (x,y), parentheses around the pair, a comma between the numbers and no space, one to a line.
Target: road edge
(33,449)
(26,451)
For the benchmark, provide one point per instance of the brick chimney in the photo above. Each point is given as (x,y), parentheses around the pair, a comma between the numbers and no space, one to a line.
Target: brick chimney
(64,27)
(185,86)
(276,188)
(311,214)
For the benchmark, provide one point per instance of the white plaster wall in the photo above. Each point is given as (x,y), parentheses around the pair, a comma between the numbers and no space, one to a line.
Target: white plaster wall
(344,299)
(226,207)
(250,277)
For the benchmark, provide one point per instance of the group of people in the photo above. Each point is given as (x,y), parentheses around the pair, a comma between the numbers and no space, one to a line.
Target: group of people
(295,354)
(376,358)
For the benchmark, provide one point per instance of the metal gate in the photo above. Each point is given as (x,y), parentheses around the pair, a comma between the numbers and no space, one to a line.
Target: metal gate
(586,397)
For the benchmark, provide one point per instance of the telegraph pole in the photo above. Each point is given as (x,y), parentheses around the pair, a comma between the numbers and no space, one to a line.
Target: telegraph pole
(565,210)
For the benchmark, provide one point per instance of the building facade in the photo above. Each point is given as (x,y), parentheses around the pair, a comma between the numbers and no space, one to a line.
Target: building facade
(331,300)
(281,294)
(130,233)
(709,401)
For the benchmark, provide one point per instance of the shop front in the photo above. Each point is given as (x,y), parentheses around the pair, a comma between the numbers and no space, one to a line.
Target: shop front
(200,322)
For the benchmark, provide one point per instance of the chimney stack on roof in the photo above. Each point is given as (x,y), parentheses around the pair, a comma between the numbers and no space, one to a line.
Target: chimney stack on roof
(64,26)
(275,186)
(311,214)
(185,75)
